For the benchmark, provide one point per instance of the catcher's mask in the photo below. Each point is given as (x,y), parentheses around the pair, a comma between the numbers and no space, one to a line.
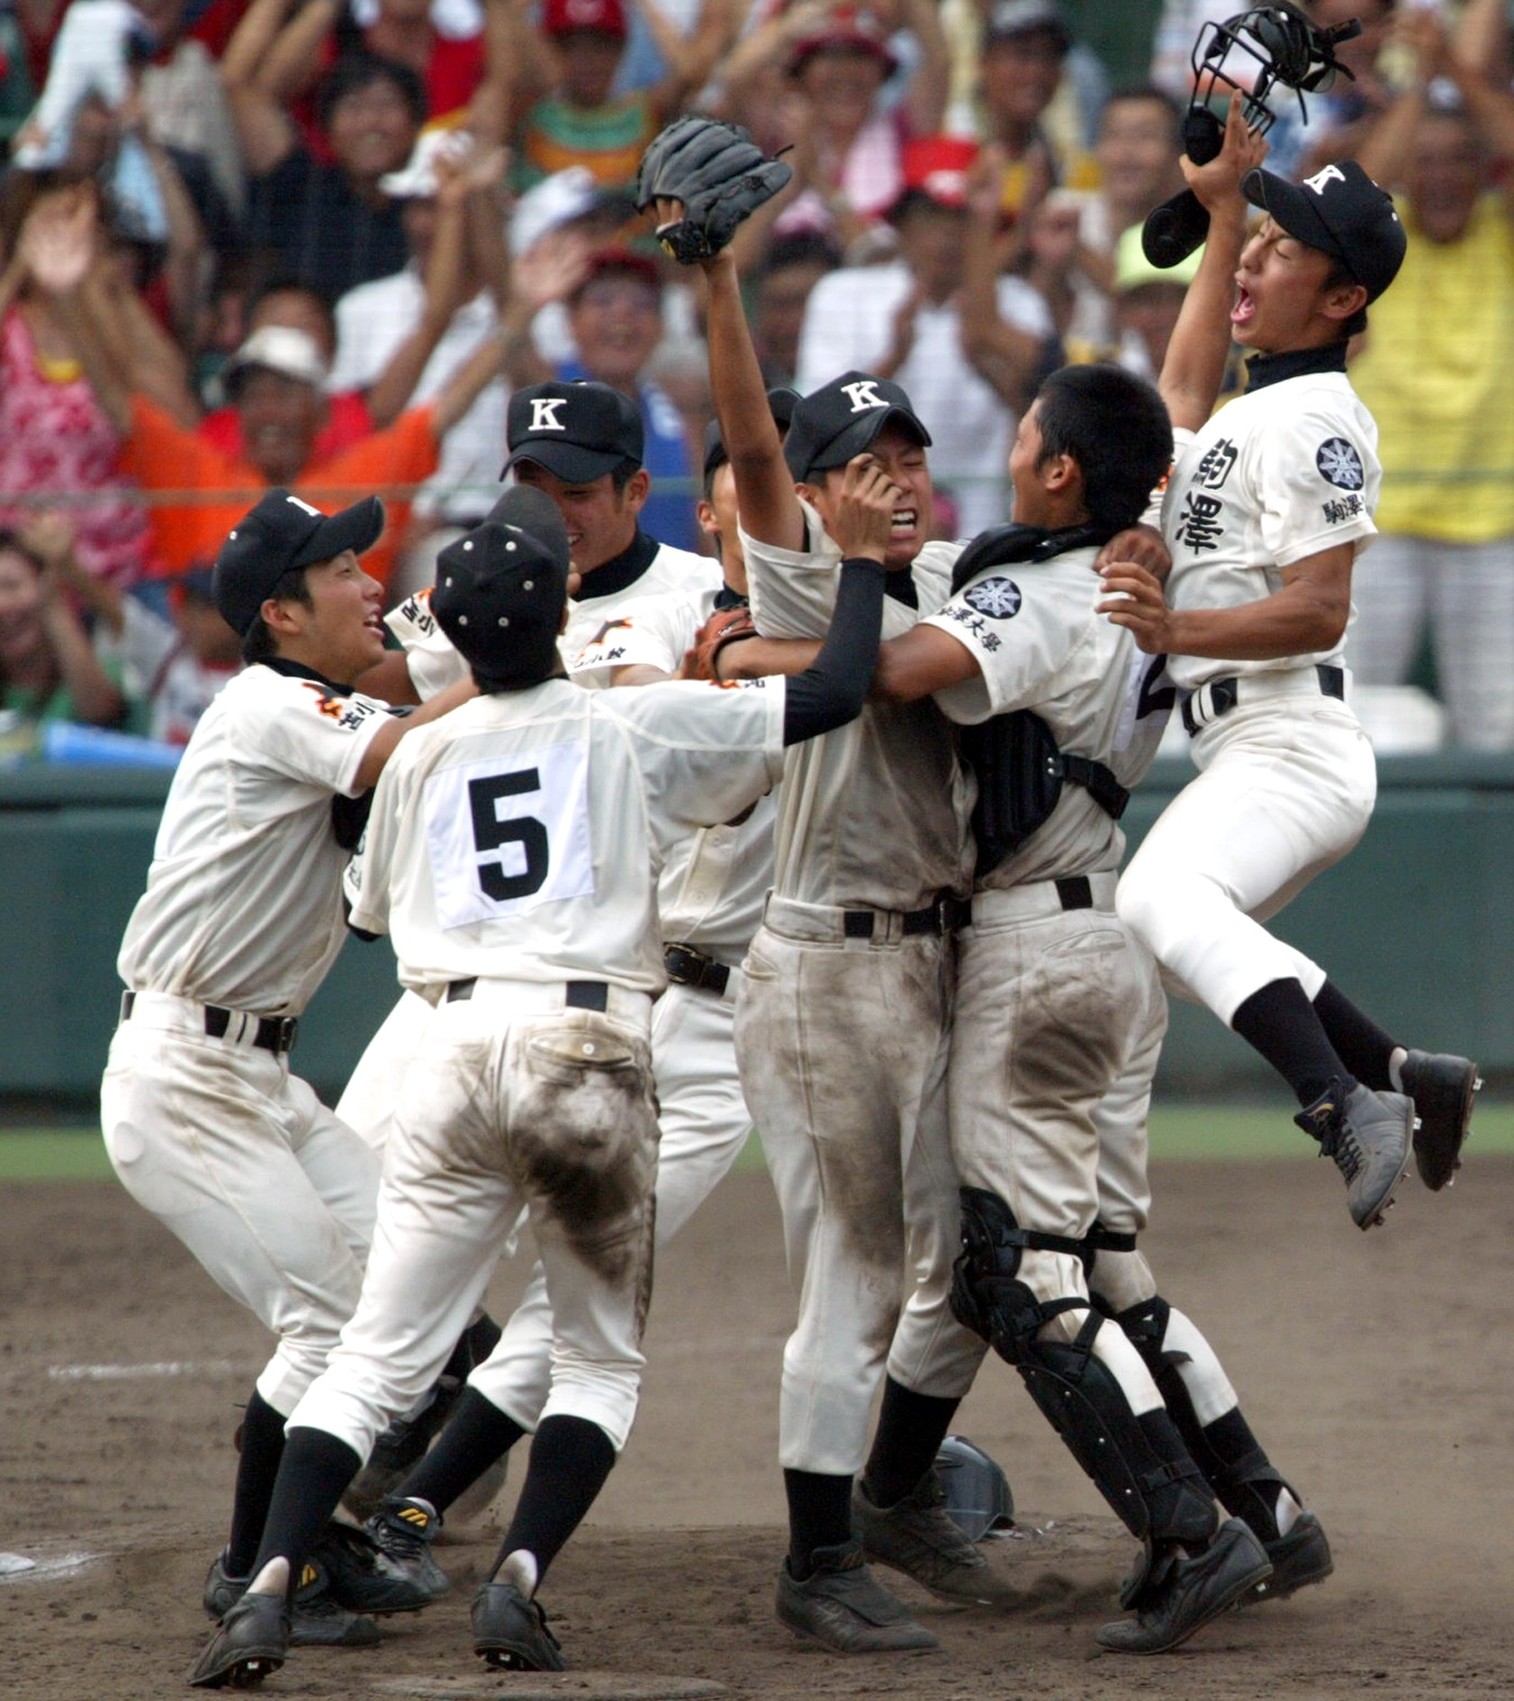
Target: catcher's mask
(1255,54)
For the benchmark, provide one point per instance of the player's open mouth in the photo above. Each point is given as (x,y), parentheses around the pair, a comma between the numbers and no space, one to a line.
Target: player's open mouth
(1244,310)
(903,522)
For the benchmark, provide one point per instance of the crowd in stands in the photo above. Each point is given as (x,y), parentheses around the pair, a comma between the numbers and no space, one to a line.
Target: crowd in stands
(256,242)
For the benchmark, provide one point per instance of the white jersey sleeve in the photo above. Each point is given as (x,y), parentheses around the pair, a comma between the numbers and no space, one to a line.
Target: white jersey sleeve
(307,732)
(1319,481)
(652,632)
(433,662)
(1021,626)
(707,751)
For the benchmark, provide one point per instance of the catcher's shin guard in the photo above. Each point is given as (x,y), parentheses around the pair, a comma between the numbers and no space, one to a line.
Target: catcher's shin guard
(1139,1464)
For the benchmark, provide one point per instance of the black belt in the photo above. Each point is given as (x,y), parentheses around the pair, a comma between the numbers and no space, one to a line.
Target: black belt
(689,967)
(274,1033)
(1075,892)
(1224,694)
(946,915)
(580,994)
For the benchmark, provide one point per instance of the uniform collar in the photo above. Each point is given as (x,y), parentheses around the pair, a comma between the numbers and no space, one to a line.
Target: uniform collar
(726,597)
(298,670)
(621,571)
(1263,369)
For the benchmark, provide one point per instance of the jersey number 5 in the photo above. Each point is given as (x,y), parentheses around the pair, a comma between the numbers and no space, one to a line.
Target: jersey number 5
(490,833)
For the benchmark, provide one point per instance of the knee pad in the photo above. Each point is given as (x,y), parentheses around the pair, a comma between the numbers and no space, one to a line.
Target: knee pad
(985,1295)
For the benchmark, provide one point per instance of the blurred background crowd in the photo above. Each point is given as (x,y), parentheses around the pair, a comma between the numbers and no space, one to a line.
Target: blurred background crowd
(314,243)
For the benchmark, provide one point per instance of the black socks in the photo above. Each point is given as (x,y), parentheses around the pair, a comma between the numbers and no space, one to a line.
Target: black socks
(820,1515)
(262,1447)
(1281,1023)
(316,1470)
(475,1436)
(570,1459)
(911,1428)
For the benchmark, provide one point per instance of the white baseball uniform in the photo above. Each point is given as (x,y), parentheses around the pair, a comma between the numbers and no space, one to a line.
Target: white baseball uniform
(841,1033)
(242,917)
(513,856)
(710,897)
(1287,779)
(1052,992)
(367,1102)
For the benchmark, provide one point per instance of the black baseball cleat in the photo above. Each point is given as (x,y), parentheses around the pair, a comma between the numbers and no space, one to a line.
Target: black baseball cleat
(510,1632)
(404,1529)
(1298,1559)
(1194,1591)
(1367,1136)
(919,1537)
(250,1642)
(1443,1088)
(363,1577)
(841,1605)
(316,1618)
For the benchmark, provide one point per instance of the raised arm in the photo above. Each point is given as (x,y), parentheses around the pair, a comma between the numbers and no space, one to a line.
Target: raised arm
(264,129)
(292,62)
(1195,364)
(457,179)
(925,98)
(689,58)
(1004,356)
(58,245)
(765,495)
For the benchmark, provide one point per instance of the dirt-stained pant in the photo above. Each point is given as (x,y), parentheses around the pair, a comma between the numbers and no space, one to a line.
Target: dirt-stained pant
(704,1123)
(270,1192)
(516,1100)
(1051,1007)
(1286,789)
(842,1049)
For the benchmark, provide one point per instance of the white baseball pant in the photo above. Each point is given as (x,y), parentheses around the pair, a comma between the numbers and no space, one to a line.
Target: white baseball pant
(1050,1007)
(842,1049)
(1286,788)
(515,1100)
(270,1191)
(704,1124)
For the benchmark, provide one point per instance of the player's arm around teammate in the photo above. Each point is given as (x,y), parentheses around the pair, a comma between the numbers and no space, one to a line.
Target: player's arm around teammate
(551,1105)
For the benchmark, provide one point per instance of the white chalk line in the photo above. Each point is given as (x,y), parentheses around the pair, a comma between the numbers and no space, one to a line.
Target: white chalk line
(138,1372)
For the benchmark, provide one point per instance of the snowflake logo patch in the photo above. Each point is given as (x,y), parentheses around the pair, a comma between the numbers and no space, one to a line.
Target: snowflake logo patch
(1339,462)
(998,598)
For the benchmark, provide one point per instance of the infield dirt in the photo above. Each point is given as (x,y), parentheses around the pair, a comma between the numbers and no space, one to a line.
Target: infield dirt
(1378,1369)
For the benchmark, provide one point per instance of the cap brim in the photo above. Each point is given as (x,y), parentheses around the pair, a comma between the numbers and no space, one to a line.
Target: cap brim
(862,433)
(356,528)
(568,461)
(1292,207)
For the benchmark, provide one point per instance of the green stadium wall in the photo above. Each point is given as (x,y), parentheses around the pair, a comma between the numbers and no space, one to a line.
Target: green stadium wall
(1416,924)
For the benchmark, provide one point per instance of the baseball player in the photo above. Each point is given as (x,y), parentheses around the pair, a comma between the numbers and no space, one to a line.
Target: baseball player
(497,859)
(710,897)
(582,445)
(1268,503)
(1055,1001)
(242,916)
(842,1020)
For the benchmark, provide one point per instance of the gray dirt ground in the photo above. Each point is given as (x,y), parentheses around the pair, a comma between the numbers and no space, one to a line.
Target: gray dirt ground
(1378,1368)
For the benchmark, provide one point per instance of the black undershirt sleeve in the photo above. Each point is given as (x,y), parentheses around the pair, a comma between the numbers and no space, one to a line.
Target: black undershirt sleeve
(831,691)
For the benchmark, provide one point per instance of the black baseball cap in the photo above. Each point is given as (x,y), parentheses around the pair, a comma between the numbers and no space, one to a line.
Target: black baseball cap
(1340,211)
(578,431)
(841,419)
(281,534)
(781,401)
(501,590)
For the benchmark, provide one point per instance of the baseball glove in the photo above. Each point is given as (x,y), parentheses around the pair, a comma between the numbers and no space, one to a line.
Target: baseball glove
(724,626)
(719,174)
